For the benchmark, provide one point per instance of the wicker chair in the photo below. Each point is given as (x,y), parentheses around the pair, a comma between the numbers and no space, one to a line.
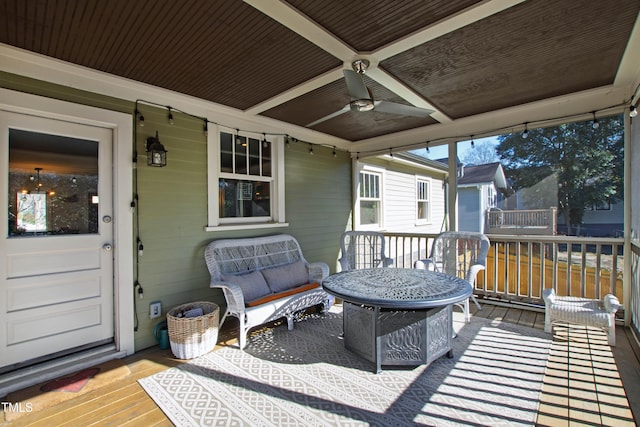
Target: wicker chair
(461,254)
(363,249)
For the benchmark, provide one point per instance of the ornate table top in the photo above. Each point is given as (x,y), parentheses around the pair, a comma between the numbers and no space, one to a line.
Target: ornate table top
(397,288)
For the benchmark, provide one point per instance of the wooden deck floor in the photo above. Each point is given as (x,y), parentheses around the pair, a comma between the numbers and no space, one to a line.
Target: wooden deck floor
(575,392)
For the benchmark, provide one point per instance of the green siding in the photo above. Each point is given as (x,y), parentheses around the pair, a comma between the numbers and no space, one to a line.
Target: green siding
(318,200)
(172,203)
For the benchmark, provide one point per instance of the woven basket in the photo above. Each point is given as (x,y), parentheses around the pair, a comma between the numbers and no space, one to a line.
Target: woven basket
(193,336)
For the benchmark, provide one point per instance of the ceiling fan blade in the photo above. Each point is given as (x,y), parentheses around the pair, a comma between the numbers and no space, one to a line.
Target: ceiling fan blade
(330,116)
(401,109)
(355,85)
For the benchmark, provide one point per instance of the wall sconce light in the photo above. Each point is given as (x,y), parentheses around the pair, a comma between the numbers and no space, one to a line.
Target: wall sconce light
(156,154)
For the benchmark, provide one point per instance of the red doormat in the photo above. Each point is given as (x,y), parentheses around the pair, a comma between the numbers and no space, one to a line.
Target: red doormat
(71,384)
(53,392)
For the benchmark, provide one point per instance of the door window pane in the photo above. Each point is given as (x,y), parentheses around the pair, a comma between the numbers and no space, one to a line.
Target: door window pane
(53,185)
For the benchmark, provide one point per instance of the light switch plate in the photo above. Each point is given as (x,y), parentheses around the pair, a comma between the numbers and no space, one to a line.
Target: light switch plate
(155,310)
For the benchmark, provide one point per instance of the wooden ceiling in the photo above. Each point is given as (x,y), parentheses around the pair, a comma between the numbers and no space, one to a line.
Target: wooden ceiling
(479,65)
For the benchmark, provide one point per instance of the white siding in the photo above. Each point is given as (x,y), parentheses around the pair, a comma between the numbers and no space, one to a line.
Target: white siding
(400,203)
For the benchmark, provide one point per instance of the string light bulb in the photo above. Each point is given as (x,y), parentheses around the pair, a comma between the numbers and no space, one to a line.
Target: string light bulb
(239,141)
(310,149)
(170,116)
(473,144)
(633,112)
(390,152)
(335,154)
(140,119)
(426,147)
(206,127)
(525,133)
(595,124)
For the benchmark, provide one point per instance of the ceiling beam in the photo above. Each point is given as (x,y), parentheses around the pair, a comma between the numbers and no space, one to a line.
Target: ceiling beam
(629,69)
(316,34)
(301,89)
(301,24)
(406,93)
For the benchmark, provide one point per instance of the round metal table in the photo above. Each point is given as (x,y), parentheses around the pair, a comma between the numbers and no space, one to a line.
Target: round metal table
(395,316)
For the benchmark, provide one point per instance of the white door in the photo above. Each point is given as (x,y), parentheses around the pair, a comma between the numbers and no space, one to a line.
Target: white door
(56,257)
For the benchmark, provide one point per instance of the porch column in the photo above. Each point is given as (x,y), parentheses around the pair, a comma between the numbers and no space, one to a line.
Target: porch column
(627,270)
(453,186)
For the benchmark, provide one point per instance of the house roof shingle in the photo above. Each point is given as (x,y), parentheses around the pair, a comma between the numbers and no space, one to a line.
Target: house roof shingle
(489,172)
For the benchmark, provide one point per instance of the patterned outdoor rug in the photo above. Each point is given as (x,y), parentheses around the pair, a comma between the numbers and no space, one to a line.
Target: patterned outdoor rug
(306,377)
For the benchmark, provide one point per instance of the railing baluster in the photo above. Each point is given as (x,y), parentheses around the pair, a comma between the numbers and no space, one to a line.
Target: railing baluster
(598,269)
(554,271)
(569,263)
(518,261)
(543,270)
(583,271)
(614,271)
(530,270)
(506,270)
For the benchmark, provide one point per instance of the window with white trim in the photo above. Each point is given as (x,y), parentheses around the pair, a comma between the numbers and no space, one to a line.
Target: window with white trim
(423,197)
(246,180)
(491,197)
(370,196)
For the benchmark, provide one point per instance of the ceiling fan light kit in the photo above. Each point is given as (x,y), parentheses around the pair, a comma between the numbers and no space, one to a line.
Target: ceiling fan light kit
(362,105)
(362,99)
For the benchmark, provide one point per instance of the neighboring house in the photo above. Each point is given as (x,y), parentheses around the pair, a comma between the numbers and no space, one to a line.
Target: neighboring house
(480,188)
(401,193)
(602,220)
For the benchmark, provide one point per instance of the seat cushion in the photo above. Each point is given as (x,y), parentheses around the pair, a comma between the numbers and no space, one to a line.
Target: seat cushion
(253,284)
(288,292)
(286,276)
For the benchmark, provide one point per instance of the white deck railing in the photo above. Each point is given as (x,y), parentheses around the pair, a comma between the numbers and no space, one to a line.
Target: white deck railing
(535,221)
(519,268)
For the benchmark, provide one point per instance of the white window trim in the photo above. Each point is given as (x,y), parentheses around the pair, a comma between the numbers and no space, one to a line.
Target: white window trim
(356,208)
(277,218)
(429,219)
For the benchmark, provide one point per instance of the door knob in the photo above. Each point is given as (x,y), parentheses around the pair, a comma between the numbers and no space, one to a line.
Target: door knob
(107,247)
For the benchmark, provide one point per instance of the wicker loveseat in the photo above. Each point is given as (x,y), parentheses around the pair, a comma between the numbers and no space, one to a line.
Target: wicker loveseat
(265,279)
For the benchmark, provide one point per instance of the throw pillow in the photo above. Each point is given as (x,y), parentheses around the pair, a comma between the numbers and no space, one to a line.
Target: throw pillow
(252,284)
(286,276)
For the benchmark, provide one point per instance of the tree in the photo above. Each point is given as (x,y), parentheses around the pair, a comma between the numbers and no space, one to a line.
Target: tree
(586,163)
(481,154)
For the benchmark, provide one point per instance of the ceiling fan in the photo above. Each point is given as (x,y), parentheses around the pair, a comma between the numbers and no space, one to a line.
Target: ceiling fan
(362,97)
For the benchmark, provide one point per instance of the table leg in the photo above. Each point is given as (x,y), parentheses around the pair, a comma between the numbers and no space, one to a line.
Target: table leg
(379,338)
